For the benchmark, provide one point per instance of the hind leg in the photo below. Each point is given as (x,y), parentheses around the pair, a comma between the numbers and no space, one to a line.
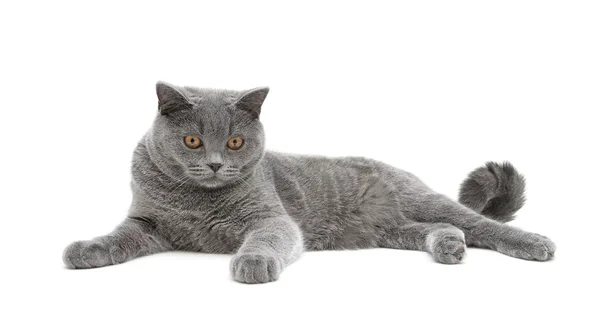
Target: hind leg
(481,231)
(445,242)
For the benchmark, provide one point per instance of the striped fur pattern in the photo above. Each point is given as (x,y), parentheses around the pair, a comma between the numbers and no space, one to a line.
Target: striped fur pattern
(266,208)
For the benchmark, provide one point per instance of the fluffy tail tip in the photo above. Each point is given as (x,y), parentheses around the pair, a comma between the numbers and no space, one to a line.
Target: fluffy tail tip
(494,190)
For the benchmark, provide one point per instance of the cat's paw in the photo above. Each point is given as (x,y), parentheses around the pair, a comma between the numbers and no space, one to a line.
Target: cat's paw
(447,246)
(255,268)
(86,255)
(530,246)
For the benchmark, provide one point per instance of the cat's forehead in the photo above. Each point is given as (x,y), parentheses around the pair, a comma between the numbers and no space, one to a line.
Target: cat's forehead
(213,112)
(209,98)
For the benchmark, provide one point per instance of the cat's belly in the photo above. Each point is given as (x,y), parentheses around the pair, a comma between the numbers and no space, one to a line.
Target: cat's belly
(344,217)
(200,232)
(341,203)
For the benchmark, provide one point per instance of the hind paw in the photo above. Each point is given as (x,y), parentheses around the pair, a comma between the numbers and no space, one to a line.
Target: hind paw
(530,247)
(447,246)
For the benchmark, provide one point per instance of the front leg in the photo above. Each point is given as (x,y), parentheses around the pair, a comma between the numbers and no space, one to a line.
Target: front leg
(270,245)
(135,237)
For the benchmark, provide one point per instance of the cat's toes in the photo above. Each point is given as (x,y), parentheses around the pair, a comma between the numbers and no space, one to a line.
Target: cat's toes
(534,247)
(448,247)
(255,268)
(86,254)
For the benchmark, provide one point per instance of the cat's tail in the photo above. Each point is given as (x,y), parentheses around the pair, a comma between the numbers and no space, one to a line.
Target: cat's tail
(494,190)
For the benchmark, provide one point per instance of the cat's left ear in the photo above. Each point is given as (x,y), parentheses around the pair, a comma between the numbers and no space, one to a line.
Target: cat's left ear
(252,100)
(170,98)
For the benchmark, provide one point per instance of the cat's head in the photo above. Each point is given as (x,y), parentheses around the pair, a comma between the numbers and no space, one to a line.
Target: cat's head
(206,136)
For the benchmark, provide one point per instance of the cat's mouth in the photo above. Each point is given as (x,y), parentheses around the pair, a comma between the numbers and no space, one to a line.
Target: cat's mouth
(209,180)
(204,176)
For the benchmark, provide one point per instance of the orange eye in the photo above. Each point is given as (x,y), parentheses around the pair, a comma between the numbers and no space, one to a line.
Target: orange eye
(235,143)
(192,142)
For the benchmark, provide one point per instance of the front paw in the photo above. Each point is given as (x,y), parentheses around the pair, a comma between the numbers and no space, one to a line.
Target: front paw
(255,268)
(86,255)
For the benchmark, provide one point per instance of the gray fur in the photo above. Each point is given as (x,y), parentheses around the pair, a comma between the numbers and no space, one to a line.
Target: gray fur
(494,190)
(267,207)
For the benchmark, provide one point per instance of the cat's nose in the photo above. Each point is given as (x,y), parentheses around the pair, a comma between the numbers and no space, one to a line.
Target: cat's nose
(215,166)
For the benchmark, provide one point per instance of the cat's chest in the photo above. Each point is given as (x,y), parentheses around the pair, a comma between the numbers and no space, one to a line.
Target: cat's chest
(208,227)
(192,219)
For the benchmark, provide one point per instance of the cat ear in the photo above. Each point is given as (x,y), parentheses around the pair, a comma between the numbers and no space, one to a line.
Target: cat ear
(170,99)
(252,100)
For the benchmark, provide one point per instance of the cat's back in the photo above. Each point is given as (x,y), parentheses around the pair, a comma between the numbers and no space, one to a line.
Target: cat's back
(319,170)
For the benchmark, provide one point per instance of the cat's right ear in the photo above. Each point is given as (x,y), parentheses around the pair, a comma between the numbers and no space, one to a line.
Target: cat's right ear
(170,99)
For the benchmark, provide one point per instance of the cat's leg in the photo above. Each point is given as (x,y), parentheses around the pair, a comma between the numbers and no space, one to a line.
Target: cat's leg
(269,246)
(445,242)
(482,231)
(133,238)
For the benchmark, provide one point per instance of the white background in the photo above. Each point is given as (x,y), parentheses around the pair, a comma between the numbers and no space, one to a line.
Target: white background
(436,88)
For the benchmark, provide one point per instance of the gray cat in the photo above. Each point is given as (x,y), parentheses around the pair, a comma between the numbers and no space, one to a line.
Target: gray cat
(202,181)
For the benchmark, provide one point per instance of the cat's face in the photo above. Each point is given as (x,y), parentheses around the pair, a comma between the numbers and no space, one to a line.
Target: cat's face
(208,137)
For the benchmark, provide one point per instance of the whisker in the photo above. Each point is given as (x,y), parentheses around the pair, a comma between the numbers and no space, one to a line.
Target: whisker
(172,194)
(179,179)
(244,182)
